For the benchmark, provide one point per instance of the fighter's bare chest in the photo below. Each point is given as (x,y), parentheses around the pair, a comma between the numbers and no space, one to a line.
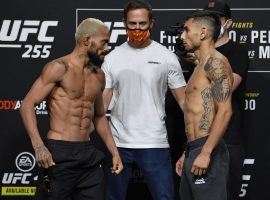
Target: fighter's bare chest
(198,81)
(81,85)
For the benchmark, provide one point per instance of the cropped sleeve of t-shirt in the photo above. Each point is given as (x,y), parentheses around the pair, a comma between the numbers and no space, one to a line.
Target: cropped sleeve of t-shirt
(175,74)
(108,76)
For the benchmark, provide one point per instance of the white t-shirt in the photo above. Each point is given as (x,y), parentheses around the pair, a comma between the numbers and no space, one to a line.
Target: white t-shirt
(139,78)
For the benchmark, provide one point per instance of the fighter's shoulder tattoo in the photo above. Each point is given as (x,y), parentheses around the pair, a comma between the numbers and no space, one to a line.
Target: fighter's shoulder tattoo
(219,74)
(60,61)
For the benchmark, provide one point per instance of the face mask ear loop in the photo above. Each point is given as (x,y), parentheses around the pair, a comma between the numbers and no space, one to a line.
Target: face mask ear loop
(222,30)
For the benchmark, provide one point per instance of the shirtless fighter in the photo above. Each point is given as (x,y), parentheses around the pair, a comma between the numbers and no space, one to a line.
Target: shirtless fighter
(73,86)
(207,110)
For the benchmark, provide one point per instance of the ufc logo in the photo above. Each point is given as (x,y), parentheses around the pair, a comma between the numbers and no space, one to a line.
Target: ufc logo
(14,178)
(246,178)
(10,30)
(116,29)
(247,162)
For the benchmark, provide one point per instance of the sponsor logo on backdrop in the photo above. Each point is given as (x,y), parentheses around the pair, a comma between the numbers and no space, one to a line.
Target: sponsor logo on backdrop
(8,105)
(166,40)
(250,101)
(25,162)
(117,29)
(258,40)
(19,183)
(112,18)
(34,37)
(248,163)
(242,25)
(263,38)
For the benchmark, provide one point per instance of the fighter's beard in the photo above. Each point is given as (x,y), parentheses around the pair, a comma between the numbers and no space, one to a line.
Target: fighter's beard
(94,59)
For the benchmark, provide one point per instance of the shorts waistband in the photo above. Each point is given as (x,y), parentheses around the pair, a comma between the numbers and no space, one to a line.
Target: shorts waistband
(196,143)
(69,143)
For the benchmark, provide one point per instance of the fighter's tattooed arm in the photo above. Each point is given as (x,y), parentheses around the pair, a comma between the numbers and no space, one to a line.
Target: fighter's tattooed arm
(43,156)
(207,109)
(216,101)
(219,75)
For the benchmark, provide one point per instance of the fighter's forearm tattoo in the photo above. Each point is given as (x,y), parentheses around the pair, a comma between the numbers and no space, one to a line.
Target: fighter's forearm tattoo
(219,75)
(41,152)
(207,109)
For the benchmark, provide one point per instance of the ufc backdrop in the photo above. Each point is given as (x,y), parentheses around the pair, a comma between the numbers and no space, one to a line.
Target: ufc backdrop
(34,32)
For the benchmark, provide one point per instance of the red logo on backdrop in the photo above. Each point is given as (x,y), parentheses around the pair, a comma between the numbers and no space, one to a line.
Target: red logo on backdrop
(9,104)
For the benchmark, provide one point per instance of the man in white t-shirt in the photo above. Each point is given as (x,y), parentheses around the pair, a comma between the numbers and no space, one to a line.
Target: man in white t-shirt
(138,73)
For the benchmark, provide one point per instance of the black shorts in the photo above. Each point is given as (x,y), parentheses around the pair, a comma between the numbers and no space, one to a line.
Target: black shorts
(212,185)
(77,174)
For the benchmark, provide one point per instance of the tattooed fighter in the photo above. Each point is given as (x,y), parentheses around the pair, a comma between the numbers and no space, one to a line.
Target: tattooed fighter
(207,110)
(73,85)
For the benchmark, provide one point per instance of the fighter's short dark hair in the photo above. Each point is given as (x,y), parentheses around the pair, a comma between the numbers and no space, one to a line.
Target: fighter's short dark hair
(137,4)
(208,18)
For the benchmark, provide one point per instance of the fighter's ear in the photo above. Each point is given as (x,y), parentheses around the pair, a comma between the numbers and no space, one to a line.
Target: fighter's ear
(203,33)
(86,40)
(152,23)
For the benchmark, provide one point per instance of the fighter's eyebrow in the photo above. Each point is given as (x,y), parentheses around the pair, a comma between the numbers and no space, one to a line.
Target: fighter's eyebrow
(185,28)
